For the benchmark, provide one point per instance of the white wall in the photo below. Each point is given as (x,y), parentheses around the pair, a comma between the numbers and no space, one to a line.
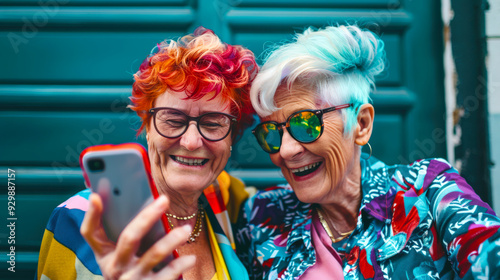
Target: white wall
(493,68)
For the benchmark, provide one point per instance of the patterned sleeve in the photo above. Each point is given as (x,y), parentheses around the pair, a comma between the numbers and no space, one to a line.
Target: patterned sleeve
(244,241)
(467,226)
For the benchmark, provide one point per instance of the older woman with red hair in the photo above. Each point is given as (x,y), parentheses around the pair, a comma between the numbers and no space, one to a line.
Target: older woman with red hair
(193,97)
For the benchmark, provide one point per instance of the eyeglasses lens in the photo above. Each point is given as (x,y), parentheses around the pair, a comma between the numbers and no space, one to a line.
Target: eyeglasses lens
(269,137)
(214,126)
(305,126)
(171,123)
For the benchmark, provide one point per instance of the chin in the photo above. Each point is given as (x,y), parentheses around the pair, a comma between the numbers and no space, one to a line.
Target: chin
(304,192)
(189,184)
(306,196)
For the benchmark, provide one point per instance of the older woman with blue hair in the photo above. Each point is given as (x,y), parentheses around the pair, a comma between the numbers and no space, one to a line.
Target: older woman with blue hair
(345,214)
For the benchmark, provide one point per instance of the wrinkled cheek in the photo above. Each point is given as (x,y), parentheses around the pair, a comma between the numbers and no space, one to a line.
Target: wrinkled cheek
(222,155)
(157,161)
(220,164)
(278,161)
(287,174)
(335,157)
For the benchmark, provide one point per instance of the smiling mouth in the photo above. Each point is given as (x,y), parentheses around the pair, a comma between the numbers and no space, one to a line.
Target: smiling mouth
(189,161)
(306,170)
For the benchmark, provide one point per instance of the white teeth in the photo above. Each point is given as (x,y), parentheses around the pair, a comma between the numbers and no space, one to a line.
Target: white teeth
(189,161)
(307,167)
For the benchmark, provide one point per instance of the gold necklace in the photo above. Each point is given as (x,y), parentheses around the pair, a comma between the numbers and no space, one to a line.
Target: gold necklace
(181,218)
(197,226)
(329,232)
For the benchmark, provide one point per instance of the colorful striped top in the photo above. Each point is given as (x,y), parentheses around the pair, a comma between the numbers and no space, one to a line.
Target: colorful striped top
(64,254)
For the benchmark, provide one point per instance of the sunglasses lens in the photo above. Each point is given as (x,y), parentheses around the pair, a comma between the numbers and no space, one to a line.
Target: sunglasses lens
(269,137)
(305,126)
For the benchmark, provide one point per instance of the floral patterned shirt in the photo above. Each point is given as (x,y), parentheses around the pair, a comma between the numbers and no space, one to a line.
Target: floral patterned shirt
(418,221)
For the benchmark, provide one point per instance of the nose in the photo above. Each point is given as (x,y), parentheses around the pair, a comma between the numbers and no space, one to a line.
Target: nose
(191,139)
(290,148)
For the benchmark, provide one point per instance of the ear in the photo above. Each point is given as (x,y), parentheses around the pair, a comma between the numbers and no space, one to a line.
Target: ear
(147,133)
(364,125)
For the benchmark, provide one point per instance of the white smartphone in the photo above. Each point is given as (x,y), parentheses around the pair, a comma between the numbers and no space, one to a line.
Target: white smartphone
(121,175)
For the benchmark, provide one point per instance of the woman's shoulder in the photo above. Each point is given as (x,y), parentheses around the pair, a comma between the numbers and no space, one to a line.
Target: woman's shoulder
(431,164)
(71,210)
(63,240)
(79,201)
(423,173)
(418,175)
(428,169)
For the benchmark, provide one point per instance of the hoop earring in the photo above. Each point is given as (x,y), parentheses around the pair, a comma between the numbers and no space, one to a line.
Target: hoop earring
(369,146)
(230,148)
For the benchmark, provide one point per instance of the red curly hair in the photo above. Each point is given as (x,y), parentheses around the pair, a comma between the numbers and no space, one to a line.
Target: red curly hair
(197,64)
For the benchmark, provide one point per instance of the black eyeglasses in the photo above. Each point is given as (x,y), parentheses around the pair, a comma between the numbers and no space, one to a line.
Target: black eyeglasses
(172,123)
(305,126)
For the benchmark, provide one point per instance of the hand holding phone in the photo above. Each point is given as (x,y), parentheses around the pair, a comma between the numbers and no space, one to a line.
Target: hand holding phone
(120,175)
(120,260)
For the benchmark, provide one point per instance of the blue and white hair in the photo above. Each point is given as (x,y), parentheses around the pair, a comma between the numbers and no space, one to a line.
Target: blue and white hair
(339,63)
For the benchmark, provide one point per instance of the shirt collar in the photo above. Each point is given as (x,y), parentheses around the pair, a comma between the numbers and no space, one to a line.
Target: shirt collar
(300,222)
(376,203)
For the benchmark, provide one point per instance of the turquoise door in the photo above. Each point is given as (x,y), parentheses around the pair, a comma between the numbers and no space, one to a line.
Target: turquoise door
(66,73)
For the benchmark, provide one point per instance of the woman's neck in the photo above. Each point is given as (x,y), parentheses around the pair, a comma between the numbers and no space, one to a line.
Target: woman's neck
(342,209)
(181,204)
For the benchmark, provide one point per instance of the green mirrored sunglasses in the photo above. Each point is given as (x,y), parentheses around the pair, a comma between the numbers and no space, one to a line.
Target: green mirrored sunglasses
(305,126)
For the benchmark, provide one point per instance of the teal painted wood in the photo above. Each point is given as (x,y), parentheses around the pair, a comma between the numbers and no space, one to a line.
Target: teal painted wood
(64,98)
(273,18)
(26,238)
(78,58)
(57,3)
(237,3)
(45,180)
(41,16)
(320,3)
(57,138)
(66,72)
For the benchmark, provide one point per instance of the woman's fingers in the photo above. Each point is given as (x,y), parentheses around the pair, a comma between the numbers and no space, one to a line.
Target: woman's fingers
(121,260)
(131,236)
(163,248)
(91,228)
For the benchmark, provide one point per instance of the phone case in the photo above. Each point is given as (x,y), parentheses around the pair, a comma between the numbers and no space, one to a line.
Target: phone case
(121,175)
